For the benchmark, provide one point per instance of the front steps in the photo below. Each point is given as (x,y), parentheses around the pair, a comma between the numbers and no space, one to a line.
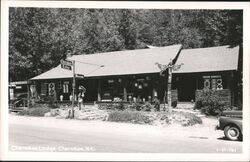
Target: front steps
(185,105)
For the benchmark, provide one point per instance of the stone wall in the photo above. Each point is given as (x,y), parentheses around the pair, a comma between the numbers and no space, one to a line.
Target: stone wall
(224,95)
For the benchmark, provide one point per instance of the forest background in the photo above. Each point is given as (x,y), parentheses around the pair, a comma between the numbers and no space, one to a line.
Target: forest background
(40,37)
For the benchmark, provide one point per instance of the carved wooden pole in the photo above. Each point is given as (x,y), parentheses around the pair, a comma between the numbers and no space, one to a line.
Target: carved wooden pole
(169,85)
(170,67)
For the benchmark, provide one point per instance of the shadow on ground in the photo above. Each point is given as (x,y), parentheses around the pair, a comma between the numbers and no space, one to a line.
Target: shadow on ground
(225,139)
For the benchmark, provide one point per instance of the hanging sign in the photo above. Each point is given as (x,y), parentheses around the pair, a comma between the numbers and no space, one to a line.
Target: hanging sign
(66,64)
(79,76)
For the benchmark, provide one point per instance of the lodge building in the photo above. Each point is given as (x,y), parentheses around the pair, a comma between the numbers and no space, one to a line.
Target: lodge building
(134,73)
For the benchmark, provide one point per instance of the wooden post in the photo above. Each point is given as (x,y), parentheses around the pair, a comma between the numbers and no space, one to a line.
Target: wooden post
(232,88)
(154,92)
(124,84)
(169,86)
(28,96)
(73,90)
(98,90)
(125,94)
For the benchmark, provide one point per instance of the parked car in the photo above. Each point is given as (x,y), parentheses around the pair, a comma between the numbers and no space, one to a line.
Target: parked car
(19,102)
(231,123)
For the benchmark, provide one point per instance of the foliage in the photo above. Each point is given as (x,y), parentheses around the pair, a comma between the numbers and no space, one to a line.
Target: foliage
(183,118)
(147,106)
(119,105)
(191,118)
(40,37)
(156,104)
(113,106)
(52,103)
(128,117)
(106,106)
(36,111)
(139,117)
(208,102)
(136,106)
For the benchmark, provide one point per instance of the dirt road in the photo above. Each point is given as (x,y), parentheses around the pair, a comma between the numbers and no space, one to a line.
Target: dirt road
(50,134)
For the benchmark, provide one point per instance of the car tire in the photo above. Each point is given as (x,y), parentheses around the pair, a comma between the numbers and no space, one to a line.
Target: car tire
(232,133)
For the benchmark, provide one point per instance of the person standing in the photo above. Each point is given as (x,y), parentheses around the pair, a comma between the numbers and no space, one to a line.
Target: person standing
(82,90)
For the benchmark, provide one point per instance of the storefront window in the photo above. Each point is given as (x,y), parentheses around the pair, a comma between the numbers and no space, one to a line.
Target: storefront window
(43,89)
(51,89)
(66,87)
(213,82)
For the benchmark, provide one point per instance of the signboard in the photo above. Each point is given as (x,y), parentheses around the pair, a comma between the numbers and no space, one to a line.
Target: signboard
(18,87)
(79,76)
(66,64)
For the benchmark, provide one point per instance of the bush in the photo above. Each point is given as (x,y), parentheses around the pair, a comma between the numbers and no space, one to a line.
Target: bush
(156,104)
(136,117)
(119,105)
(52,103)
(182,118)
(35,111)
(128,117)
(208,102)
(147,107)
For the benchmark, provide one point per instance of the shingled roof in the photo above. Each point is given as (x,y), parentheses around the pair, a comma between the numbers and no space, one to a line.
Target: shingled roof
(221,58)
(141,61)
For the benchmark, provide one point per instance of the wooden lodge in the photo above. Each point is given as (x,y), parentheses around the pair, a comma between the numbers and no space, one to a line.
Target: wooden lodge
(131,74)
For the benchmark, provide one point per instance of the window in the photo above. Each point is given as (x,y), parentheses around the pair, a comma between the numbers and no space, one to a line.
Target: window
(43,89)
(51,89)
(213,82)
(59,85)
(66,87)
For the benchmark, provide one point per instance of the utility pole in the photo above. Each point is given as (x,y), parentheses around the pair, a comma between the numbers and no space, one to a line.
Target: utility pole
(69,64)
(73,89)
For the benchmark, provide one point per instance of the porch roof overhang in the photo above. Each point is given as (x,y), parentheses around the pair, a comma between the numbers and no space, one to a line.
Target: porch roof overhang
(128,62)
(18,82)
(212,59)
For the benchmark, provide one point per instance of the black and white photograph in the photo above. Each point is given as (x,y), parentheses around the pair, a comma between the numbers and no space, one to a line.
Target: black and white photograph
(143,80)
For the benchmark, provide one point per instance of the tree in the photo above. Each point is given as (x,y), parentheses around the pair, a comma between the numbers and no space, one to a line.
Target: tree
(40,37)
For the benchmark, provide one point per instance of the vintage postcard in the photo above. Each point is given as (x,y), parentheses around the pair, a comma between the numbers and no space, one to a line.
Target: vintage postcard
(124,81)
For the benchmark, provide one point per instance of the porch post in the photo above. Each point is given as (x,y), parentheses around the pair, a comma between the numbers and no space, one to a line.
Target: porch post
(155,94)
(232,88)
(28,96)
(125,83)
(98,90)
(125,94)
(196,86)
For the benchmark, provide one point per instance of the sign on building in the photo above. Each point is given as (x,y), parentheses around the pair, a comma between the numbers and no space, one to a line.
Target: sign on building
(66,64)
(79,76)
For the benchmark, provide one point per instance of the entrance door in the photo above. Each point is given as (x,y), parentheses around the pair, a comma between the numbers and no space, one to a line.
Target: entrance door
(186,88)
